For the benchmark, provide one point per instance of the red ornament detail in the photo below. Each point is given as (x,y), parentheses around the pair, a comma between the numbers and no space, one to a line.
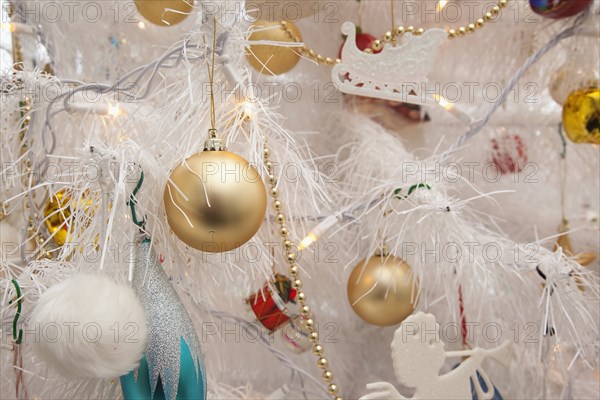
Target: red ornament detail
(268,305)
(363,41)
(411,112)
(509,153)
(292,295)
(463,319)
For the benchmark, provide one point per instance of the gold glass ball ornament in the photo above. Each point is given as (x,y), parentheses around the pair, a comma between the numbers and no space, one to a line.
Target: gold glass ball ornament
(215,201)
(164,12)
(380,289)
(273,59)
(581,116)
(58,212)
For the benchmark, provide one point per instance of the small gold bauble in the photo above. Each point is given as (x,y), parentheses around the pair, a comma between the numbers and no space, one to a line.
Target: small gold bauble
(270,59)
(215,201)
(164,12)
(379,290)
(581,116)
(58,210)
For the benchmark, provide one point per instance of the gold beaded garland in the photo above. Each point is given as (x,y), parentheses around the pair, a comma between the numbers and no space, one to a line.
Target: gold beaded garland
(305,51)
(332,388)
(290,257)
(391,36)
(27,179)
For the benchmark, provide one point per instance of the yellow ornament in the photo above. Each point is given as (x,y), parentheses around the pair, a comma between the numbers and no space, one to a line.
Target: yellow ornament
(215,201)
(164,12)
(58,210)
(380,290)
(581,116)
(274,59)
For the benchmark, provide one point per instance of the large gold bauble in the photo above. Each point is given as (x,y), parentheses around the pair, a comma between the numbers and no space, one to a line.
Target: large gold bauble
(380,289)
(164,12)
(270,59)
(215,201)
(58,212)
(581,116)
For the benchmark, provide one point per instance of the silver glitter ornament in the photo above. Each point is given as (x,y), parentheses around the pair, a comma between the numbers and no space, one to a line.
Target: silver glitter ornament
(172,363)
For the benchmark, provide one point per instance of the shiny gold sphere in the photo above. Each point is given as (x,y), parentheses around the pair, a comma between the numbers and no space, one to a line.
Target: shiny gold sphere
(58,214)
(215,201)
(581,116)
(379,290)
(269,59)
(164,12)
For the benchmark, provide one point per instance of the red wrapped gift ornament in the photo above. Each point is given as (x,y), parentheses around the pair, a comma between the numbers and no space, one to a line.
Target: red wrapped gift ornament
(269,304)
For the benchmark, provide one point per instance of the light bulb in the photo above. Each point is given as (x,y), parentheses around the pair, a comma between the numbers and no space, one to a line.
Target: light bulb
(8,26)
(319,230)
(115,110)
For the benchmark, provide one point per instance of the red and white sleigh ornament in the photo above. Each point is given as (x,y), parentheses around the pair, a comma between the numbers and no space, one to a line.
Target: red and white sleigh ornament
(397,73)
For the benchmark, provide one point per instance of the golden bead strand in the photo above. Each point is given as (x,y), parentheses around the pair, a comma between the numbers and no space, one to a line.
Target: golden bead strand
(452,33)
(391,36)
(294,271)
(479,23)
(32,231)
(319,58)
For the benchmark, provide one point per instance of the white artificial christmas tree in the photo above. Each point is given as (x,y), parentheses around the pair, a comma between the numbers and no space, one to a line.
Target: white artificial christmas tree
(453,155)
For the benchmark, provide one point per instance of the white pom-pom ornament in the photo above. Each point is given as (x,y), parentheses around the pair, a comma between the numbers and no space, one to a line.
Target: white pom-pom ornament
(89,326)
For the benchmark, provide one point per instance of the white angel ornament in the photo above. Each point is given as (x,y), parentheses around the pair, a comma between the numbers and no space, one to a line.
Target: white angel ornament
(418,355)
